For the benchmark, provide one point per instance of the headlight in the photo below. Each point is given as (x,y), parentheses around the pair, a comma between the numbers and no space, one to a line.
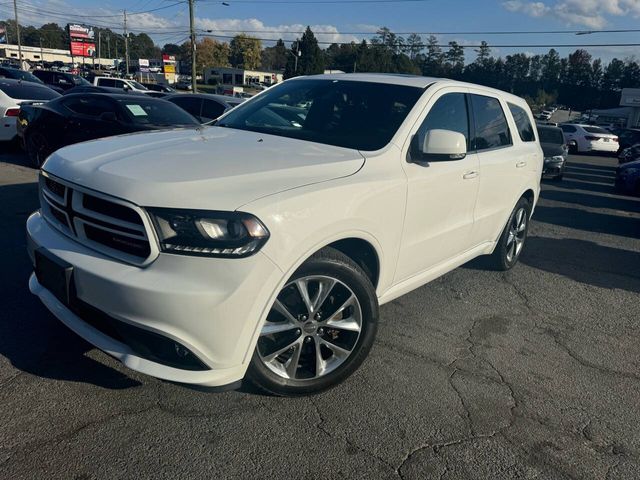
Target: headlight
(208,233)
(556,158)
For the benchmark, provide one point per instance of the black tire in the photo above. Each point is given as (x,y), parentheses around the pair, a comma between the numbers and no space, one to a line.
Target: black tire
(37,148)
(502,258)
(331,263)
(573,148)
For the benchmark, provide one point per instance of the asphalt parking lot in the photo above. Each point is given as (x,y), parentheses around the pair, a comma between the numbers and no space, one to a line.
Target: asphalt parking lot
(533,373)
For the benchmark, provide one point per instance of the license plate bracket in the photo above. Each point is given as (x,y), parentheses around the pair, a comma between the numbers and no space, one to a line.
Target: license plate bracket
(54,274)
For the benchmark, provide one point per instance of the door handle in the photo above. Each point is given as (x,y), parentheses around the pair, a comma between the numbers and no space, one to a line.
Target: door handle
(470,175)
(521,164)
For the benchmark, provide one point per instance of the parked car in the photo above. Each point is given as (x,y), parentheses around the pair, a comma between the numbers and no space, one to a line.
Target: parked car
(80,117)
(264,249)
(60,81)
(17,74)
(628,178)
(627,137)
(94,89)
(14,95)
(544,116)
(588,138)
(204,106)
(555,150)
(159,87)
(123,83)
(184,84)
(629,154)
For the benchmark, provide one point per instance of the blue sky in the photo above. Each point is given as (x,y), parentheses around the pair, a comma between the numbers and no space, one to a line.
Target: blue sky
(331,20)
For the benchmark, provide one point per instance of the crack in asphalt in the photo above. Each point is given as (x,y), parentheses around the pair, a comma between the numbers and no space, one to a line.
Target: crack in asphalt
(555,335)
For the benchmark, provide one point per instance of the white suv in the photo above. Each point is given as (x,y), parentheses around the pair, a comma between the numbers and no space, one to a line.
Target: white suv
(263,246)
(122,83)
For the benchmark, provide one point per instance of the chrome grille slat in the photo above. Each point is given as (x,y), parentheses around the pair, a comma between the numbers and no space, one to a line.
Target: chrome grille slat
(108,233)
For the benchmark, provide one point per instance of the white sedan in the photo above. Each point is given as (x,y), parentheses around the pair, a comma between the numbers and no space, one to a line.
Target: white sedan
(589,138)
(12,94)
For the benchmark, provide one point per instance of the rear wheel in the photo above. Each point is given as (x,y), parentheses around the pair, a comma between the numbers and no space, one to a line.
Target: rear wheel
(37,148)
(513,238)
(319,330)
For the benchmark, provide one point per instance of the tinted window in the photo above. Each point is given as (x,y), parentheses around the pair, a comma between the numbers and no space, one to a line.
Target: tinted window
(551,135)
(492,130)
(351,114)
(211,110)
(448,113)
(188,103)
(92,106)
(525,129)
(595,130)
(568,128)
(46,77)
(26,91)
(155,112)
(106,82)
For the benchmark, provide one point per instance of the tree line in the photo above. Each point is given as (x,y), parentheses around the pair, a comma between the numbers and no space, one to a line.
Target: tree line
(577,80)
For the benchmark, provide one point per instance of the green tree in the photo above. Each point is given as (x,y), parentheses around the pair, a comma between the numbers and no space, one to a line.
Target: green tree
(434,58)
(245,52)
(275,58)
(310,57)
(455,60)
(211,53)
(414,45)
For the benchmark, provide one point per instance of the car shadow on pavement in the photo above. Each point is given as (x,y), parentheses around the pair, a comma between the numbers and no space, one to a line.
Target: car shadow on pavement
(589,200)
(588,221)
(585,262)
(595,168)
(578,184)
(31,339)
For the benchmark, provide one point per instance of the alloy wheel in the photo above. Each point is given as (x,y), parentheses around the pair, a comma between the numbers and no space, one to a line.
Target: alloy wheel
(312,328)
(517,234)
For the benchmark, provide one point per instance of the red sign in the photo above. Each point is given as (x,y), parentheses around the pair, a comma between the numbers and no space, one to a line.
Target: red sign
(77,30)
(168,58)
(81,49)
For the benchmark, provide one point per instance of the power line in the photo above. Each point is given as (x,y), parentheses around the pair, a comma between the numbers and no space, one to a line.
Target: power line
(488,33)
(310,2)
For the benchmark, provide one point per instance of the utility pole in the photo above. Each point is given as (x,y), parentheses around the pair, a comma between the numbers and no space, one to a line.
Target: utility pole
(126,43)
(109,47)
(297,55)
(194,87)
(15,11)
(41,53)
(100,50)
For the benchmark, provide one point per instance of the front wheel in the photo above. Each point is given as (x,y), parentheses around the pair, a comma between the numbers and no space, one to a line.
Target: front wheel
(513,238)
(319,330)
(37,148)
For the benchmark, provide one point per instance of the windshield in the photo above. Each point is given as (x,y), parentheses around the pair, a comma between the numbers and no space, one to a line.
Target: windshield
(77,80)
(137,85)
(596,130)
(20,75)
(359,115)
(155,112)
(551,135)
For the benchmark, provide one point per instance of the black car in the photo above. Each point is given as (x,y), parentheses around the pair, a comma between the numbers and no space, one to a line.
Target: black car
(93,89)
(76,118)
(205,107)
(627,137)
(629,154)
(158,87)
(60,81)
(555,149)
(18,74)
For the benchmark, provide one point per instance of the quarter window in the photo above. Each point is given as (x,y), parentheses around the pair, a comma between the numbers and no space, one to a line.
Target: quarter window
(492,130)
(568,128)
(93,107)
(448,113)
(525,129)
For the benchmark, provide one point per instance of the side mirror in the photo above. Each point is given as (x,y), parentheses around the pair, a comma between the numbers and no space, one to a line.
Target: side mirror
(443,145)
(108,117)
(126,86)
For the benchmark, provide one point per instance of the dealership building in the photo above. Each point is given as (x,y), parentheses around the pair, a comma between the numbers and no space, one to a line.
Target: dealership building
(240,76)
(35,55)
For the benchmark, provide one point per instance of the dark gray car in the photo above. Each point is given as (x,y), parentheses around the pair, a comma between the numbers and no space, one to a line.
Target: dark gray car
(555,151)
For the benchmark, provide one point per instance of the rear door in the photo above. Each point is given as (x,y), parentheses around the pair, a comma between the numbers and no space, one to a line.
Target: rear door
(211,109)
(441,195)
(84,121)
(502,167)
(191,104)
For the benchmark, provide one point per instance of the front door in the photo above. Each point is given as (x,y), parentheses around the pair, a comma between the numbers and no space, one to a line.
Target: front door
(441,195)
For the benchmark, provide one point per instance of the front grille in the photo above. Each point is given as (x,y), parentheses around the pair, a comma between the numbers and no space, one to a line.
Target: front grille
(107,225)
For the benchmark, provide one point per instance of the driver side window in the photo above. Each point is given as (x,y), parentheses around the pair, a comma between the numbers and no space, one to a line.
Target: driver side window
(448,113)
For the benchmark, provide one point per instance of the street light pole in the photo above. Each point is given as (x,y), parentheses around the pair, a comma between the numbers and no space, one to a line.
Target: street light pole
(194,87)
(41,53)
(126,43)
(15,11)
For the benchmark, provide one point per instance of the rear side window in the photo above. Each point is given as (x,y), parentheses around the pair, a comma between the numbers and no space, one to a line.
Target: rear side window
(596,130)
(93,107)
(551,135)
(106,82)
(492,130)
(188,103)
(448,113)
(525,129)
(211,110)
(568,128)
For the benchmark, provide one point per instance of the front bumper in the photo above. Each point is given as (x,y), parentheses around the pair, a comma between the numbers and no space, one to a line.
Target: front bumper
(554,168)
(211,306)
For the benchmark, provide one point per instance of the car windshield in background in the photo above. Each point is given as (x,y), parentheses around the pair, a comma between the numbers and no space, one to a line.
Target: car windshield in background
(80,81)
(27,91)
(596,130)
(155,112)
(137,85)
(20,75)
(351,114)
(551,135)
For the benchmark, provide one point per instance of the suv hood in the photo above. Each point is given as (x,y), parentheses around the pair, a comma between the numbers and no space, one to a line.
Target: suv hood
(211,168)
